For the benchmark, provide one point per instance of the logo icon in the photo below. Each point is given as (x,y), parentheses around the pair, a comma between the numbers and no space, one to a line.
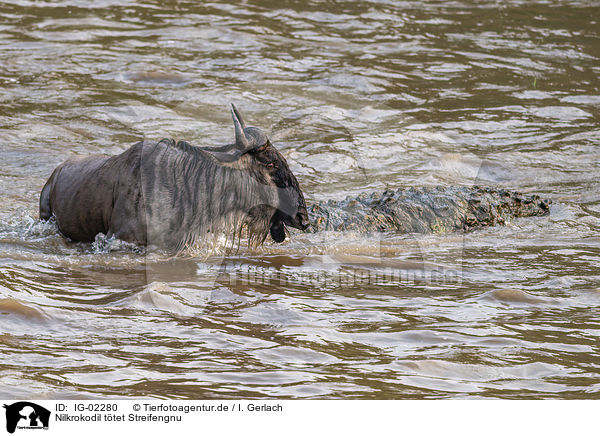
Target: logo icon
(26,415)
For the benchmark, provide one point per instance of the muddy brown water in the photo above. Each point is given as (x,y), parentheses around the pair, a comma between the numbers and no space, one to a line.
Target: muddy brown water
(359,96)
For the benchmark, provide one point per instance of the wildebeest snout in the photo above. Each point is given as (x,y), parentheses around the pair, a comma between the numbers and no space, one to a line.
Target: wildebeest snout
(299,221)
(293,207)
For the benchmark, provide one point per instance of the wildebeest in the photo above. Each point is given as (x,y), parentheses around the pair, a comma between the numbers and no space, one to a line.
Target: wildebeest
(171,195)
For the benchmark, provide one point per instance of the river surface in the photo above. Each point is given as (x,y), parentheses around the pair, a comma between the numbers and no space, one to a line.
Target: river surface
(359,97)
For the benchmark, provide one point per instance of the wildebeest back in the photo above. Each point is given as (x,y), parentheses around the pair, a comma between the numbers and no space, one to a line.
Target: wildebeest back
(90,195)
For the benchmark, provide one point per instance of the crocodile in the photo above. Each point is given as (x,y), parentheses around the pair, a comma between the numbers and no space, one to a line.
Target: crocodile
(424,210)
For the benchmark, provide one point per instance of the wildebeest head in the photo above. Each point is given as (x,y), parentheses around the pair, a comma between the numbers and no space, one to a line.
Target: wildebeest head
(254,153)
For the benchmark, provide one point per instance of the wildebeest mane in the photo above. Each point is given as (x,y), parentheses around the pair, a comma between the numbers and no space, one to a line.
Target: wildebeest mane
(234,203)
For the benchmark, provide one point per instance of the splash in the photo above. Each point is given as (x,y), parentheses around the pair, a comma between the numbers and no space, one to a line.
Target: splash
(103,244)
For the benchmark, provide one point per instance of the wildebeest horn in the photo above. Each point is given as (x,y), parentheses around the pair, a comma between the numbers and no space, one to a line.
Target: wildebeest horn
(241,141)
(238,116)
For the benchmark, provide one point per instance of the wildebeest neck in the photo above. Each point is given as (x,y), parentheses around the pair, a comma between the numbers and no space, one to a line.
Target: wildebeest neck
(190,195)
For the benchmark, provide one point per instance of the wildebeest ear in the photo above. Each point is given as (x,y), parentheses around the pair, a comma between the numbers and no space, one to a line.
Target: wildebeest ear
(256,138)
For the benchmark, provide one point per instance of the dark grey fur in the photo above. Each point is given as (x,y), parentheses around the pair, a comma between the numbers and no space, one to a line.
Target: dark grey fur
(171,195)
